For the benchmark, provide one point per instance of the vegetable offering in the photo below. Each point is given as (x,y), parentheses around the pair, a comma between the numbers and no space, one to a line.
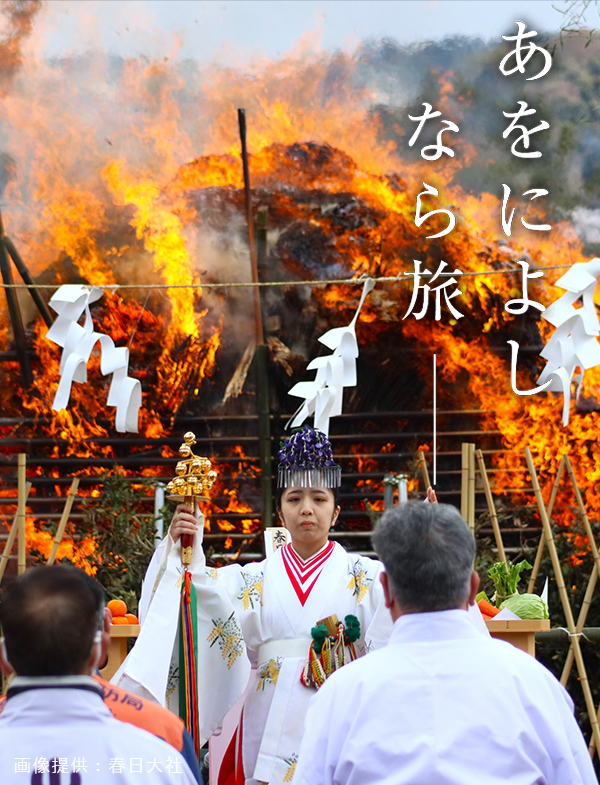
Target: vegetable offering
(506,578)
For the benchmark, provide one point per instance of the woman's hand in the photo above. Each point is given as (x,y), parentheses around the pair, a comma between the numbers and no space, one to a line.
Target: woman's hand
(431,495)
(184,522)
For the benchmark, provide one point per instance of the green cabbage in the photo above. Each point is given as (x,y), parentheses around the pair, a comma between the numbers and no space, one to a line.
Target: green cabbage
(527,606)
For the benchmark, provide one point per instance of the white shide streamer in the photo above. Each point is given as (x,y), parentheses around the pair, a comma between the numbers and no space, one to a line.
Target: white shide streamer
(574,343)
(70,302)
(323,395)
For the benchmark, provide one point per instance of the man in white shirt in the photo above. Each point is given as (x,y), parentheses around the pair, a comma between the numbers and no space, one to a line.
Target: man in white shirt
(441,704)
(55,726)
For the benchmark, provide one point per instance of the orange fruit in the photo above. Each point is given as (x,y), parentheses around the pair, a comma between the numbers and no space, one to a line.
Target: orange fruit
(120,620)
(117,607)
(132,618)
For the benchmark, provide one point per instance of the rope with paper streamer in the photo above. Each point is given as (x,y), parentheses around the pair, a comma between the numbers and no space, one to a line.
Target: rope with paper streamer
(71,302)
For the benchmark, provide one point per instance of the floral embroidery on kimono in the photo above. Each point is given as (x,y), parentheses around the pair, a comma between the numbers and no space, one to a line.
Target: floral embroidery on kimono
(228,633)
(268,673)
(252,591)
(359,582)
(173,678)
(291,762)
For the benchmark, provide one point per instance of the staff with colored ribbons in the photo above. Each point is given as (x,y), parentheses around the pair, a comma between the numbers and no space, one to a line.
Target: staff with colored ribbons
(194,477)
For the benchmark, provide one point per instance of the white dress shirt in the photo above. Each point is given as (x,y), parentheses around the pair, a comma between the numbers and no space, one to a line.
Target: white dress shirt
(443,705)
(59,730)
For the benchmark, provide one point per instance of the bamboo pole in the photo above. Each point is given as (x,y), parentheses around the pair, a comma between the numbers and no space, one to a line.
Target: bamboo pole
(63,520)
(424,471)
(583,513)
(464,480)
(542,542)
(8,546)
(581,619)
(590,587)
(491,507)
(564,598)
(471,486)
(22,486)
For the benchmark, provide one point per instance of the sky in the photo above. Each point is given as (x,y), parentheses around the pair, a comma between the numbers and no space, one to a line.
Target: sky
(247,30)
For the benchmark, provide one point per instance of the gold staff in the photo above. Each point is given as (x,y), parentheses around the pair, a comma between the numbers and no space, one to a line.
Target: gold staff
(194,478)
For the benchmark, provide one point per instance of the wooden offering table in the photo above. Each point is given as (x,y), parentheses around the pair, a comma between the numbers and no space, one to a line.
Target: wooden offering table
(119,633)
(519,632)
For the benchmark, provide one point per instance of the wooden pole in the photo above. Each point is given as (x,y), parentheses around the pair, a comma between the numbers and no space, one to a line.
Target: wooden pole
(250,221)
(542,542)
(424,471)
(63,520)
(262,350)
(491,507)
(564,598)
(262,390)
(8,546)
(27,279)
(14,312)
(22,486)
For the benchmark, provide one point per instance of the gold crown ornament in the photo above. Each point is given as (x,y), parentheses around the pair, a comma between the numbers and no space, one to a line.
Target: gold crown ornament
(195,477)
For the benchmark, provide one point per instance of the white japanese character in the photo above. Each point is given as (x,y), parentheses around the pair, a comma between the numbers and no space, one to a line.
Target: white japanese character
(530,50)
(523,111)
(507,222)
(438,148)
(22,765)
(514,349)
(439,290)
(135,766)
(116,765)
(79,764)
(519,306)
(59,766)
(173,766)
(430,190)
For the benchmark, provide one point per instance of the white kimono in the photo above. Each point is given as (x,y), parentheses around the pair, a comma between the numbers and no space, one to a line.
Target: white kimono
(251,616)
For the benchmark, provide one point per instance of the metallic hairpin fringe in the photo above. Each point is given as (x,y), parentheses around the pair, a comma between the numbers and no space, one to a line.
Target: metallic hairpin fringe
(327,477)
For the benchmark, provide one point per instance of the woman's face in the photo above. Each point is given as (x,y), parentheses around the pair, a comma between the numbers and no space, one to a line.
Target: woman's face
(308,514)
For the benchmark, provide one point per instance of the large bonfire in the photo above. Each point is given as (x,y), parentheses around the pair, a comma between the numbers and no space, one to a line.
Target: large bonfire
(127,173)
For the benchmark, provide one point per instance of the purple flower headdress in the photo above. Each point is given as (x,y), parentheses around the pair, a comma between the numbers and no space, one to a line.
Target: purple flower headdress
(306,461)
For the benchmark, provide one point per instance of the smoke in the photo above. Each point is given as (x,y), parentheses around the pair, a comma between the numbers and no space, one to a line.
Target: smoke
(18,19)
(66,122)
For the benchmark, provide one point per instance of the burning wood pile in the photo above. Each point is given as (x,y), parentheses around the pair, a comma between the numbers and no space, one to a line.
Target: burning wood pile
(321,225)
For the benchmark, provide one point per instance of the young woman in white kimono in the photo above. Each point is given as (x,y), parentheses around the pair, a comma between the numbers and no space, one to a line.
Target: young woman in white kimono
(254,621)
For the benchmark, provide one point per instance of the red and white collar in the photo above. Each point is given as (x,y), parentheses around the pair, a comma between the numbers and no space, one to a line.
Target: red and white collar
(303,574)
